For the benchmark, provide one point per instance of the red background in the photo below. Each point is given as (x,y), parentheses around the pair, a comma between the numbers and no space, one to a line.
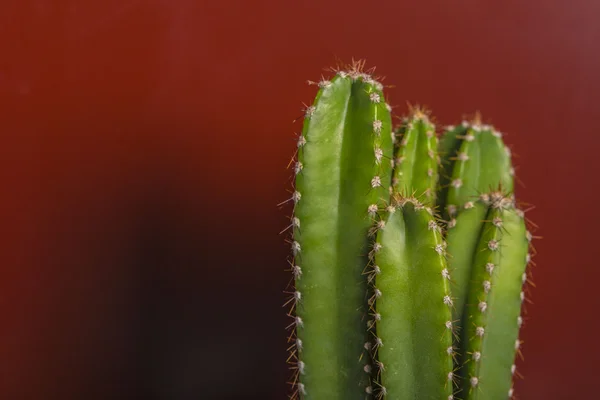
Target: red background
(144,148)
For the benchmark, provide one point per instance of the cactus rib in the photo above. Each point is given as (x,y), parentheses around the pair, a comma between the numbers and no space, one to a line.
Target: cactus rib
(462,236)
(449,147)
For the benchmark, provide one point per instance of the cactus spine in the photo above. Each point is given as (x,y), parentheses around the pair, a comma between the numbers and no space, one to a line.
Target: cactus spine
(381,306)
(343,172)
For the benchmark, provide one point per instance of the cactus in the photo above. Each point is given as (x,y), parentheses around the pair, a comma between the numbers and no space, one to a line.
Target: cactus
(448,149)
(381,306)
(343,172)
(491,318)
(416,159)
(414,348)
(477,162)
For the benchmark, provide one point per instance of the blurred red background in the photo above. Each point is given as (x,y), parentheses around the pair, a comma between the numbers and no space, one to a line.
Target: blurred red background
(144,148)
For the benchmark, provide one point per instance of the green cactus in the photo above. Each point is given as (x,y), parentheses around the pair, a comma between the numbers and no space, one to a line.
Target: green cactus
(491,317)
(449,147)
(414,348)
(382,307)
(475,161)
(343,174)
(462,236)
(416,159)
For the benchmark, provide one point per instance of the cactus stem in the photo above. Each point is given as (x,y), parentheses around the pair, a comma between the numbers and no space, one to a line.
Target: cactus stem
(352,95)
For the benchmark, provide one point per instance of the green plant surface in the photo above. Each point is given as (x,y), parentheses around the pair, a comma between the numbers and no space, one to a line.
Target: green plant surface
(413,341)
(449,145)
(481,164)
(385,303)
(492,310)
(343,177)
(462,237)
(416,159)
